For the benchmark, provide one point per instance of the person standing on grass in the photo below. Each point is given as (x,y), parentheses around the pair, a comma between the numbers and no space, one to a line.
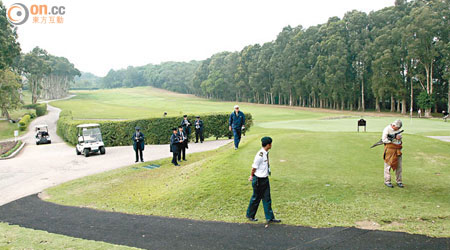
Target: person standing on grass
(186,124)
(236,124)
(260,183)
(174,146)
(138,143)
(198,124)
(183,144)
(392,154)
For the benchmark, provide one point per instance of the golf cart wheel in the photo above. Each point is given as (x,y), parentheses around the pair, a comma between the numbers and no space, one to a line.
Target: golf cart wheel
(102,150)
(78,152)
(86,152)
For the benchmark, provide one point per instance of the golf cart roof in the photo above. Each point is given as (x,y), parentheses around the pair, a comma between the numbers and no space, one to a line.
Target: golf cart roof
(89,125)
(41,126)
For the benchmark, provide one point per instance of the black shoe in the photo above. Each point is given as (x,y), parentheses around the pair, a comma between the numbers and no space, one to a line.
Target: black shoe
(400,185)
(184,160)
(177,165)
(252,219)
(201,142)
(388,185)
(273,221)
(142,160)
(135,161)
(196,142)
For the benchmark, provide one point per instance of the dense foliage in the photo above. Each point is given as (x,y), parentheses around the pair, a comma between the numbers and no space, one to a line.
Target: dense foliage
(174,76)
(24,122)
(9,79)
(380,60)
(156,130)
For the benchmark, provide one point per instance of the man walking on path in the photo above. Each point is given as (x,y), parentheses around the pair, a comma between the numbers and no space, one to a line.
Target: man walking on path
(236,124)
(260,183)
(392,153)
(138,143)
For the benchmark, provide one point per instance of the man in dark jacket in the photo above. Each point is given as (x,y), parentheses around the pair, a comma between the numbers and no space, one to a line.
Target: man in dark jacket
(236,124)
(138,143)
(183,144)
(198,124)
(174,146)
(186,124)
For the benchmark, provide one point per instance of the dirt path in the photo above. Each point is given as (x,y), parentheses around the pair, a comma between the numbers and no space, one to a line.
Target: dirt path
(153,232)
(39,167)
(441,138)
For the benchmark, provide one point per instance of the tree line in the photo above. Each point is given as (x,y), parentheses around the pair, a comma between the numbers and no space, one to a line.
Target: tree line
(396,58)
(45,75)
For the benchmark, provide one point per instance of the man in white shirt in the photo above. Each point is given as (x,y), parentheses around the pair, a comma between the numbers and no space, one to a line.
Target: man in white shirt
(392,153)
(260,183)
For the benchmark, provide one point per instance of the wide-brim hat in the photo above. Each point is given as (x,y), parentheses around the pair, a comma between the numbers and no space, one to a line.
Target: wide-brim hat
(137,128)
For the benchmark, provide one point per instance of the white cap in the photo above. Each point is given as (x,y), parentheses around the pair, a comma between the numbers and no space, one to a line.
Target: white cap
(236,106)
(397,123)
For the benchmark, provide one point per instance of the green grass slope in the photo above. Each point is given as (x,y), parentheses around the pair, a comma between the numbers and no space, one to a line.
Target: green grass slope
(319,179)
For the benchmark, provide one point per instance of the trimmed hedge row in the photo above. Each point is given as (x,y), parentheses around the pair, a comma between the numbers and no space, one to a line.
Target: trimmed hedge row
(23,123)
(41,108)
(156,130)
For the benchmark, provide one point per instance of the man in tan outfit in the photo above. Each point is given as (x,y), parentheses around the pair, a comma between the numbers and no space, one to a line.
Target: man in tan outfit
(392,154)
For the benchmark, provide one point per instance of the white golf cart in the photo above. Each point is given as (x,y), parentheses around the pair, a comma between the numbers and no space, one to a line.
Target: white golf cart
(42,135)
(89,140)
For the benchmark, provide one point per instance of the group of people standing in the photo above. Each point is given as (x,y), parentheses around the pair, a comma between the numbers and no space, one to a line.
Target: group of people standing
(178,141)
(180,138)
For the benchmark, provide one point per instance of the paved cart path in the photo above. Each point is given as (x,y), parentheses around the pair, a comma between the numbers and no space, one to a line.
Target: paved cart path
(442,138)
(153,232)
(36,168)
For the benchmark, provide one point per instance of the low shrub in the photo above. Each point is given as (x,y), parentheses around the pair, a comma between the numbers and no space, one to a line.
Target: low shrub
(41,109)
(23,123)
(156,130)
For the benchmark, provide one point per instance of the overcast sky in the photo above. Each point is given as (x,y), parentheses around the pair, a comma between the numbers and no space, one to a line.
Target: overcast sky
(99,35)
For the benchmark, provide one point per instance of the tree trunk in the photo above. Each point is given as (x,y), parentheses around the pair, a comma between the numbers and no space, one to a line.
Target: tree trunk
(363,102)
(392,104)
(448,97)
(290,98)
(404,106)
(398,106)
(428,112)
(377,104)
(412,98)
(6,113)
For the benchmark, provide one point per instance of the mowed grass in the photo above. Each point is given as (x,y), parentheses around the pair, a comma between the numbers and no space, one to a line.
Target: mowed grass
(15,237)
(144,102)
(319,179)
(374,124)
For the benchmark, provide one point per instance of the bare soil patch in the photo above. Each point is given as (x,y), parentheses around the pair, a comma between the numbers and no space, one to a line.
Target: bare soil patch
(6,146)
(367,224)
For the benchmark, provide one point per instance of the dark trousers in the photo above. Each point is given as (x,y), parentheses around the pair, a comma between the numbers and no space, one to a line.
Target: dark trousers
(237,136)
(261,191)
(174,157)
(182,151)
(139,154)
(199,133)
